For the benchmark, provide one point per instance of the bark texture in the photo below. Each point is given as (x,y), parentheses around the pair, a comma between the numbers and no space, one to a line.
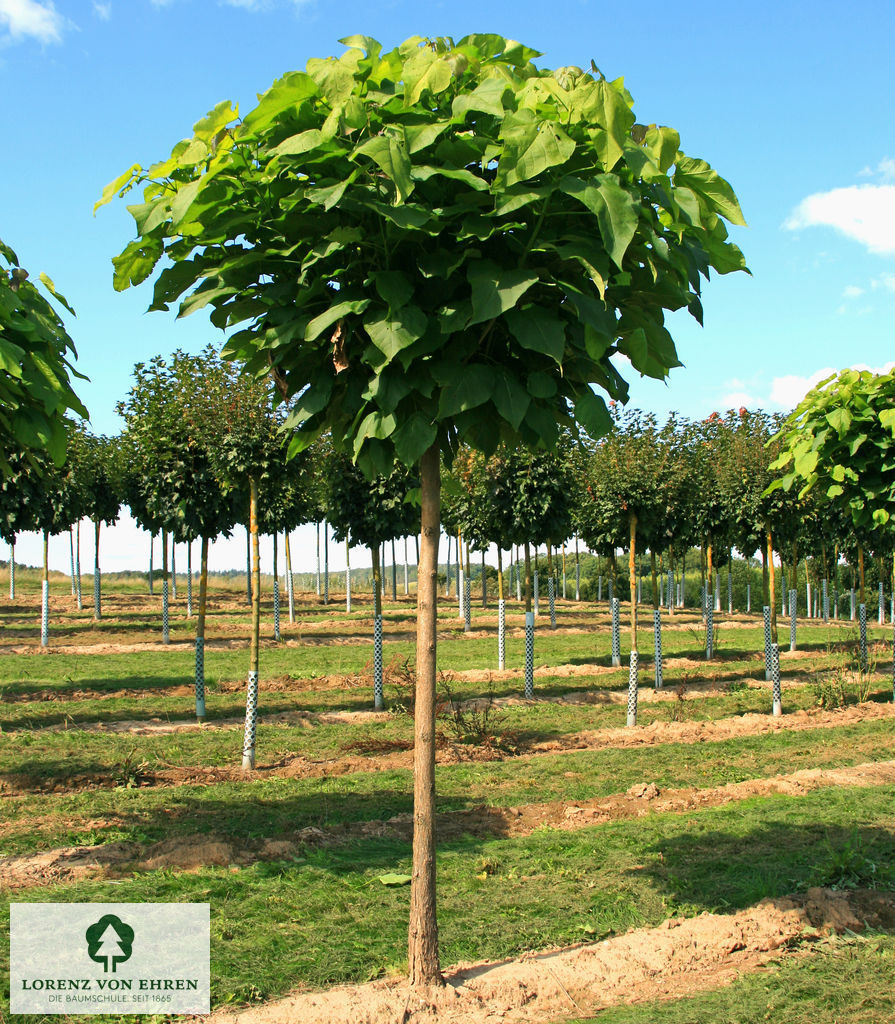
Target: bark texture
(422,943)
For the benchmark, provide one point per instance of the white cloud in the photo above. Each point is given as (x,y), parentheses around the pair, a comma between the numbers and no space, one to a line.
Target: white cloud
(886,281)
(852,291)
(28,18)
(865,213)
(785,392)
(102,11)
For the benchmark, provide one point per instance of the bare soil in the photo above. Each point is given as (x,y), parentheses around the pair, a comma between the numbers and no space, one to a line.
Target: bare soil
(680,957)
(191,852)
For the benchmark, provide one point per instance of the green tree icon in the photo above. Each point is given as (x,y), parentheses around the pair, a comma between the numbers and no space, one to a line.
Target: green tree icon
(109,942)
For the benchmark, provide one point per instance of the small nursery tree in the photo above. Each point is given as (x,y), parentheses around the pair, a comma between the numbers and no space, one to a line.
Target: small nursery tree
(436,244)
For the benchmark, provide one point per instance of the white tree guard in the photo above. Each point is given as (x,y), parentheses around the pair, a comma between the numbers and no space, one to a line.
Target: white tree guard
(200,678)
(729,593)
(378,701)
(670,589)
(852,611)
(276,608)
(290,585)
(251,723)
(748,597)
(551,600)
(599,588)
(166,626)
(657,642)
(882,605)
(709,633)
(318,559)
(189,581)
(632,690)
(862,617)
(616,633)
(460,590)
(45,614)
(718,592)
(792,619)
(12,572)
(467,607)
(529,655)
(518,582)
(71,542)
(501,634)
(97,595)
(777,708)
(577,581)
(406,571)
(348,589)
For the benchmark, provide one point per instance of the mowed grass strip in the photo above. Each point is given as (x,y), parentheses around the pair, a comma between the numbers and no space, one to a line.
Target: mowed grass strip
(840,979)
(71,757)
(325,918)
(276,807)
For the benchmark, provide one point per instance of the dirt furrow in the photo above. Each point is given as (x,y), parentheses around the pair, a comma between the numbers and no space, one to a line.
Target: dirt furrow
(679,957)
(192,852)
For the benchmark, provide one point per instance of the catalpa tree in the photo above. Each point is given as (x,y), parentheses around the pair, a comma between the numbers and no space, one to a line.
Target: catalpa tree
(437,244)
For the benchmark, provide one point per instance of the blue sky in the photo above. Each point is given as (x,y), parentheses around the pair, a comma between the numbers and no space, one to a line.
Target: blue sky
(791,102)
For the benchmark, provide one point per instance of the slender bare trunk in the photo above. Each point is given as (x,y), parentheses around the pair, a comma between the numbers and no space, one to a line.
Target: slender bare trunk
(772,586)
(500,574)
(632,576)
(652,566)
(377,580)
(203,590)
(861,571)
(422,938)
(527,577)
(97,584)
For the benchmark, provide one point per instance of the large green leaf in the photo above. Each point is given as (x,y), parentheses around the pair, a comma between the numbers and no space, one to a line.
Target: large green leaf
(702,179)
(415,436)
(466,387)
(392,333)
(537,329)
(532,151)
(495,291)
(614,207)
(335,312)
(394,160)
(592,414)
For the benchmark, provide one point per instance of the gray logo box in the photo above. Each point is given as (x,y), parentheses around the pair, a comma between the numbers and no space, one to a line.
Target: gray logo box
(110,958)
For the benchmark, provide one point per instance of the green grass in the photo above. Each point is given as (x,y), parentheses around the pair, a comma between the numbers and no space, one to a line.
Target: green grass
(325,918)
(279,806)
(840,979)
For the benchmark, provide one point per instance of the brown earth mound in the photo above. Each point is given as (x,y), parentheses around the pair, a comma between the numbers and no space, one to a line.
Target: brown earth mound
(679,957)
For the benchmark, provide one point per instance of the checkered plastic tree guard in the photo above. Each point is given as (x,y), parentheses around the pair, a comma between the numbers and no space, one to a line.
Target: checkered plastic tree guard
(657,636)
(529,655)
(775,680)
(767,642)
(551,600)
(862,614)
(45,614)
(793,608)
(166,625)
(632,690)
(501,634)
(251,722)
(378,702)
(200,677)
(616,633)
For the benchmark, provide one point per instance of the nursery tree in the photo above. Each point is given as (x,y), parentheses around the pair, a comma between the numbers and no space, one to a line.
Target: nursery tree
(841,439)
(35,390)
(436,244)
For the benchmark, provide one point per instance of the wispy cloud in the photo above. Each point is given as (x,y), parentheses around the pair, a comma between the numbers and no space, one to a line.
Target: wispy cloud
(865,213)
(783,393)
(852,291)
(28,19)
(102,11)
(884,170)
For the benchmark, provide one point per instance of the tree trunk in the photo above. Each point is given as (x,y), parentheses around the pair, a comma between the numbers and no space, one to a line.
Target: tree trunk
(289,579)
(394,573)
(151,541)
(249,559)
(861,571)
(165,634)
(422,939)
(710,578)
(78,564)
(527,577)
(248,748)
(97,579)
(45,596)
(772,586)
(500,574)
(173,568)
(377,580)
(325,562)
(200,632)
(632,576)
(276,590)
(765,596)
(652,566)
